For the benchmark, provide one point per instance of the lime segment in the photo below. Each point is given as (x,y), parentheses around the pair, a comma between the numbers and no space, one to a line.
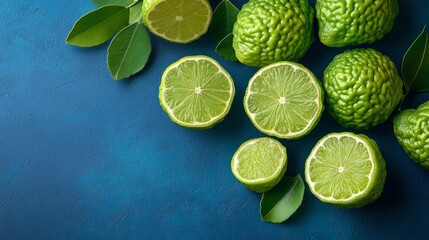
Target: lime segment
(345,169)
(259,163)
(284,100)
(180,21)
(196,92)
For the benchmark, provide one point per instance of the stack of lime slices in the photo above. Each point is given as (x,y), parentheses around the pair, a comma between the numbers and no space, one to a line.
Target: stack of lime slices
(196,92)
(284,100)
(179,21)
(346,169)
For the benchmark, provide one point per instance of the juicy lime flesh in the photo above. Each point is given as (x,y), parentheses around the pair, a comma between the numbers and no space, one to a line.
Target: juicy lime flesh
(179,20)
(196,91)
(259,159)
(284,101)
(341,168)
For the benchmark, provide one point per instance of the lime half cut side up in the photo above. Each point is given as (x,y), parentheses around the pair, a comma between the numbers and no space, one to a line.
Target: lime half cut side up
(196,92)
(284,100)
(179,21)
(346,169)
(259,163)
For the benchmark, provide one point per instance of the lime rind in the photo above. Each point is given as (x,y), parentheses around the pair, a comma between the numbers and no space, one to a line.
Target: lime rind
(360,196)
(262,152)
(277,113)
(179,21)
(192,106)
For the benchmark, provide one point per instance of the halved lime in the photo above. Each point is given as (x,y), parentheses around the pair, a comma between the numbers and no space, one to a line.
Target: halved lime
(180,21)
(284,100)
(196,92)
(346,169)
(259,163)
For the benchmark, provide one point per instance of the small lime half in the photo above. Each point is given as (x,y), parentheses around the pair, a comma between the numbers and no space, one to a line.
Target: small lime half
(259,163)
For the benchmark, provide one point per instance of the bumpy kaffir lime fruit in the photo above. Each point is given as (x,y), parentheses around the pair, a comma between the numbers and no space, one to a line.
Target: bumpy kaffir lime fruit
(362,88)
(353,22)
(268,31)
(411,128)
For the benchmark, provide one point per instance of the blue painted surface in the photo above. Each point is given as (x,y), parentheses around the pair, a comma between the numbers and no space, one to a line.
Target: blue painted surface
(85,157)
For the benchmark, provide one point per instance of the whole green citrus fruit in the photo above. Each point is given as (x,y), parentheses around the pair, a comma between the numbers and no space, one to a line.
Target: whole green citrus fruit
(411,128)
(353,22)
(268,31)
(362,88)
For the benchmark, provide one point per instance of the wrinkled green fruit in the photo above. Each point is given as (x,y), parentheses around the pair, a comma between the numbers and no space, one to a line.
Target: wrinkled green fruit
(354,22)
(411,128)
(268,31)
(362,88)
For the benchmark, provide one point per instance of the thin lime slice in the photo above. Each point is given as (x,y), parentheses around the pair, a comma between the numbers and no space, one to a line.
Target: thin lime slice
(196,92)
(259,163)
(346,169)
(180,21)
(284,100)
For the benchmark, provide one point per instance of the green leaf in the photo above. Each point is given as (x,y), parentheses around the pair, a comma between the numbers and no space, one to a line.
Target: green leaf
(223,19)
(129,51)
(136,12)
(124,3)
(98,26)
(278,204)
(224,48)
(415,64)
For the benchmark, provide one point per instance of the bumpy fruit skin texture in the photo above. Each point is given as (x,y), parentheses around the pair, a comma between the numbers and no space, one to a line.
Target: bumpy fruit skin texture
(268,31)
(353,22)
(411,128)
(362,88)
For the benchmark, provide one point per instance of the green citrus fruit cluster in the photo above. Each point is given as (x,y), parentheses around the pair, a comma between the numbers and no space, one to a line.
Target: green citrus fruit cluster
(411,128)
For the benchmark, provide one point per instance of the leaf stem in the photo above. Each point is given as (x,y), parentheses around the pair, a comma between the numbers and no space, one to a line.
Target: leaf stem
(408,76)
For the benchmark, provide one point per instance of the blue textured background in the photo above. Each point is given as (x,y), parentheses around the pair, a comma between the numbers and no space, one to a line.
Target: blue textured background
(85,157)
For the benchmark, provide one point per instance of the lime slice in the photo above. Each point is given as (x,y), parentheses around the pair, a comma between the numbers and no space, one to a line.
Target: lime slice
(284,100)
(196,92)
(346,169)
(259,163)
(180,21)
